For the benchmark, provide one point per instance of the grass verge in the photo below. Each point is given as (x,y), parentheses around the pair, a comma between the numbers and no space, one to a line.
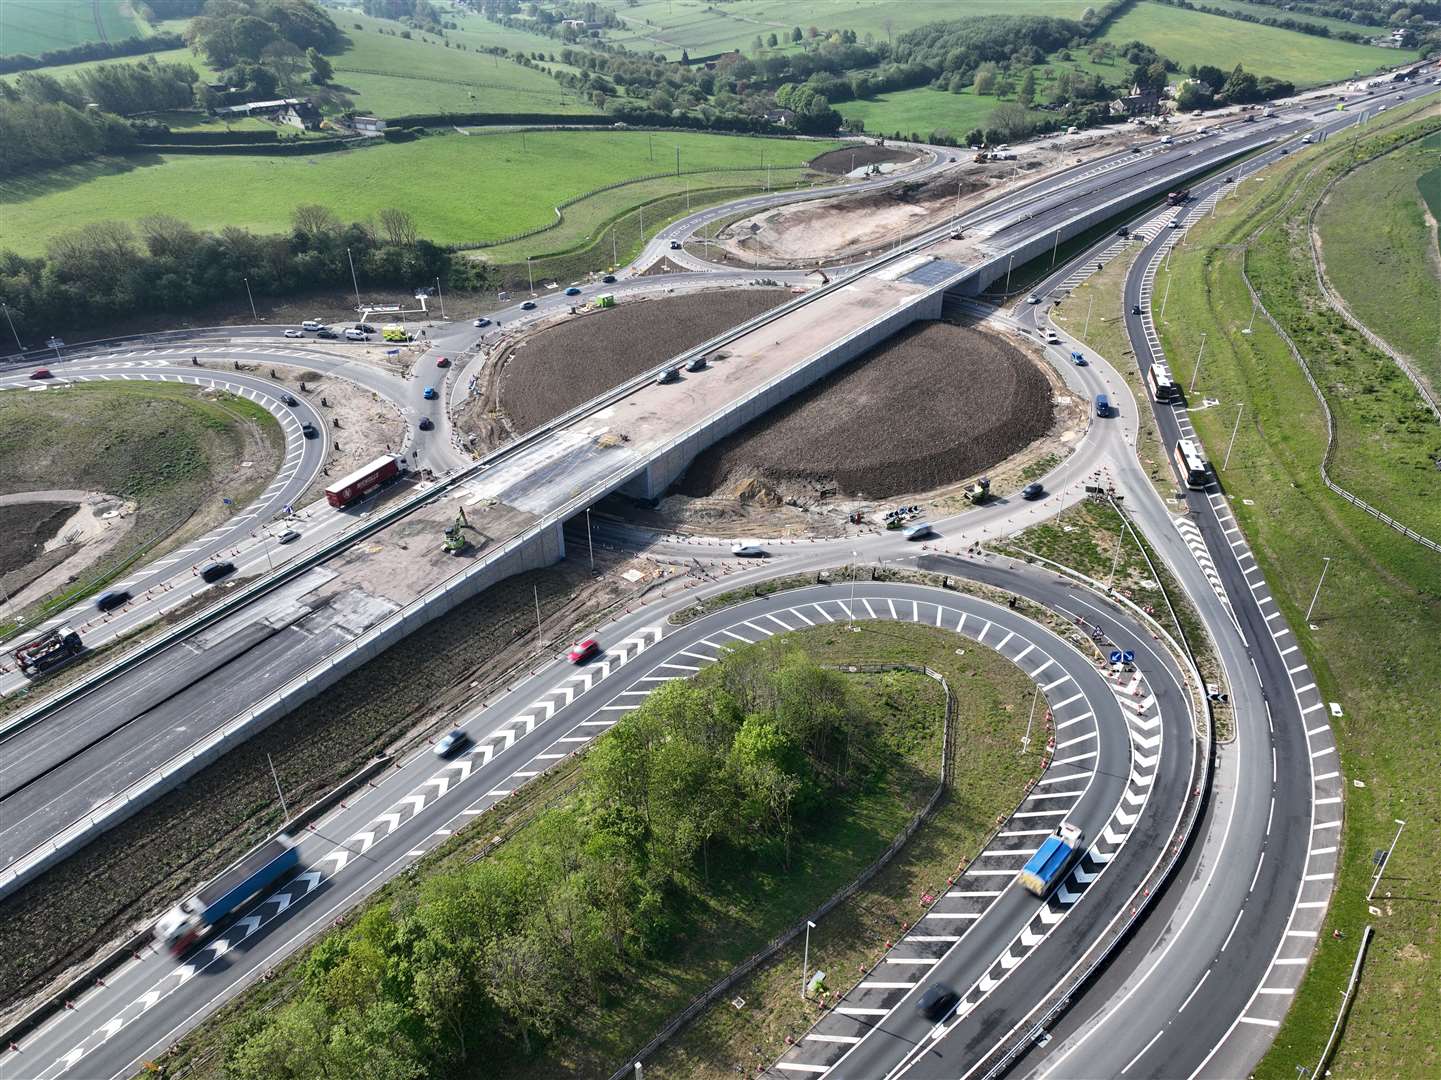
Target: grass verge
(1371,640)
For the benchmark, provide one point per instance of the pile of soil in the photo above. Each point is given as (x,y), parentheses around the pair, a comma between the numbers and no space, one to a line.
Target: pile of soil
(562,366)
(839,162)
(25,528)
(937,403)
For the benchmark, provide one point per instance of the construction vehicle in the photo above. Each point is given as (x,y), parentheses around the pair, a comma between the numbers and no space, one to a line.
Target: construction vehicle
(604,300)
(1052,860)
(186,923)
(982,156)
(1176,198)
(52,649)
(980,491)
(394,332)
(455,541)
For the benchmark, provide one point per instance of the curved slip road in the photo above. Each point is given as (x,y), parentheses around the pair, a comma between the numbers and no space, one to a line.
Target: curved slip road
(559,709)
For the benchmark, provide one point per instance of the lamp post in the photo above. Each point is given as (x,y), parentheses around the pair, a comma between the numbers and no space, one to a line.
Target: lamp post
(851,624)
(1009,263)
(12,326)
(355,281)
(530,273)
(806,958)
(589,542)
(247,296)
(441,297)
(1166,295)
(1195,374)
(1087,328)
(1386,861)
(1326,559)
(1240,408)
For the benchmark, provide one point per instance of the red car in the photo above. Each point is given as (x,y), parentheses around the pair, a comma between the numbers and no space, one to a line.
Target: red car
(582,651)
(444,361)
(40,373)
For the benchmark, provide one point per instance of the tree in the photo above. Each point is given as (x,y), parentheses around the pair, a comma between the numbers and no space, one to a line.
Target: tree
(1027,94)
(524,978)
(314,221)
(399,226)
(796,35)
(321,69)
(1010,119)
(772,40)
(986,76)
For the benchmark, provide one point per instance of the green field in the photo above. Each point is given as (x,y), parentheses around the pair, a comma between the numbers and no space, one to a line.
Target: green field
(1374,229)
(922,111)
(37,26)
(702,28)
(1190,37)
(394,76)
(1264,11)
(461,189)
(1382,588)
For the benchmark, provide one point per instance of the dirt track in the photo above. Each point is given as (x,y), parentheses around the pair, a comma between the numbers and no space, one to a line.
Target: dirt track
(562,366)
(936,404)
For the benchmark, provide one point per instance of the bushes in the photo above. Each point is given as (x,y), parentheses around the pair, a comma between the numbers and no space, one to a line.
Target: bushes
(90,50)
(721,771)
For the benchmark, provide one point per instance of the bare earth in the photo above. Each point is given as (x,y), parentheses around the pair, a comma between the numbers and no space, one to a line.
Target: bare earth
(848,159)
(558,367)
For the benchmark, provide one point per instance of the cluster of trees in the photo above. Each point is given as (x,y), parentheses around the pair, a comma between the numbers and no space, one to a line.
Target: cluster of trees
(1210,85)
(38,135)
(233,32)
(1393,13)
(109,269)
(90,50)
(115,88)
(419,14)
(705,780)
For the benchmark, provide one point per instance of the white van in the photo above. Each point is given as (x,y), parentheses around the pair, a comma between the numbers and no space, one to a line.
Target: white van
(747,549)
(312,324)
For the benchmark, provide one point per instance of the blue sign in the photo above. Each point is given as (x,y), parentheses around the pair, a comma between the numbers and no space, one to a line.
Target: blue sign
(1116,656)
(1128,657)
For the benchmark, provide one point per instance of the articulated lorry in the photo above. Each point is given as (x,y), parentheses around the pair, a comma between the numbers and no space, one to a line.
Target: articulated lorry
(189,921)
(1176,198)
(364,480)
(52,649)
(1053,860)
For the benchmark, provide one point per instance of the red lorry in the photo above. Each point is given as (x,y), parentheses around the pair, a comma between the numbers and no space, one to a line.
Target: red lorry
(364,480)
(1176,198)
(50,650)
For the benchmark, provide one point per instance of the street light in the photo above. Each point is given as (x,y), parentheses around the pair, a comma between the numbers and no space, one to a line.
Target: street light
(1327,560)
(1240,408)
(441,297)
(353,279)
(12,326)
(1386,861)
(851,625)
(250,298)
(806,958)
(1196,374)
(530,273)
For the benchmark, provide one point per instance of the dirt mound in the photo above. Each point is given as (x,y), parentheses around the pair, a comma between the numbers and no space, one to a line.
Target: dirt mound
(562,366)
(932,406)
(839,162)
(25,528)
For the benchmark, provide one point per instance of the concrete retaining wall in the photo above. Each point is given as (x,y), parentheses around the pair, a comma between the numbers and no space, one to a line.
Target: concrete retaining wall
(538,548)
(665,469)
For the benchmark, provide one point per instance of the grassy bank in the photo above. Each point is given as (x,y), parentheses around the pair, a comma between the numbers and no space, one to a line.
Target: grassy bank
(1378,244)
(1378,619)
(716,922)
(171,451)
(482,187)
(1192,37)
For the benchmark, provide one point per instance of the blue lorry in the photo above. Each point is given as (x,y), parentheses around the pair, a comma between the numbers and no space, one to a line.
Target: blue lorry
(1053,860)
(186,923)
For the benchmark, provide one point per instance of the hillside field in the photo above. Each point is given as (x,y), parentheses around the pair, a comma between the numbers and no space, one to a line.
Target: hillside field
(1374,229)
(37,26)
(702,28)
(461,189)
(1191,37)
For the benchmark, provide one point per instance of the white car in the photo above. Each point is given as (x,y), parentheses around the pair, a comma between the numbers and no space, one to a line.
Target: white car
(352,334)
(312,324)
(295,333)
(747,549)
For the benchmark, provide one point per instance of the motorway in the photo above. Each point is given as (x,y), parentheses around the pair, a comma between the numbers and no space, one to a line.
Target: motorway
(1131,1001)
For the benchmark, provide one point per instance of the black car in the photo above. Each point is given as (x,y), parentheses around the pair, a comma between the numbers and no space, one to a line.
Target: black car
(668,375)
(1032,491)
(426,423)
(327,333)
(289,400)
(365,328)
(112,600)
(217,570)
(937,1002)
(1135,309)
(529,305)
(308,430)
(609,279)
(696,363)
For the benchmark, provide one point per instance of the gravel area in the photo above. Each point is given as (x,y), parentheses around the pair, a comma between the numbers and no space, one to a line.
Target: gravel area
(935,404)
(562,366)
(840,162)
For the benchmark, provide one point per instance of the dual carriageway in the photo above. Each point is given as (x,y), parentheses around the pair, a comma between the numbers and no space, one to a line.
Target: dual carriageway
(1172,955)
